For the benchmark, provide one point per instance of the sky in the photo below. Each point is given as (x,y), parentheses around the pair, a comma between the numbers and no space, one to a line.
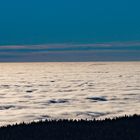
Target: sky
(69,30)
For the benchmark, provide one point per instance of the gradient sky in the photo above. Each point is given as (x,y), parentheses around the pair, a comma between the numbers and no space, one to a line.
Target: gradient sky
(59,22)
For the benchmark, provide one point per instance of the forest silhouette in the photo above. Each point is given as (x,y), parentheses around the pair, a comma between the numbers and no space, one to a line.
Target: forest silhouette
(119,128)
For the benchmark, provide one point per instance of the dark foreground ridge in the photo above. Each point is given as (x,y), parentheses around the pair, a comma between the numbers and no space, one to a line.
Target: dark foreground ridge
(123,128)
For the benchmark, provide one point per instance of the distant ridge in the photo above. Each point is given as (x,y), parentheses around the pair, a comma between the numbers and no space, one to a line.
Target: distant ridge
(120,128)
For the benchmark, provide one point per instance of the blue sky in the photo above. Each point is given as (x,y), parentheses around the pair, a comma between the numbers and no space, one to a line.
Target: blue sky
(43,22)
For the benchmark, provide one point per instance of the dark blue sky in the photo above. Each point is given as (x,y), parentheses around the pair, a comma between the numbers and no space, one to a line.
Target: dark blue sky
(28,22)
(54,21)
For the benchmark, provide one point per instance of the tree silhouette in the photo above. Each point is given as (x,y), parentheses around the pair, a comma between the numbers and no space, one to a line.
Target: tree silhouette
(119,128)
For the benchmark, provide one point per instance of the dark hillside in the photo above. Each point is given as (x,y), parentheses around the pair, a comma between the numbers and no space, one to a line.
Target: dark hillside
(123,128)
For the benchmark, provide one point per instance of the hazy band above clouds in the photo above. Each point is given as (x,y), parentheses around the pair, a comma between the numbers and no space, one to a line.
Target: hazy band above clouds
(112,51)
